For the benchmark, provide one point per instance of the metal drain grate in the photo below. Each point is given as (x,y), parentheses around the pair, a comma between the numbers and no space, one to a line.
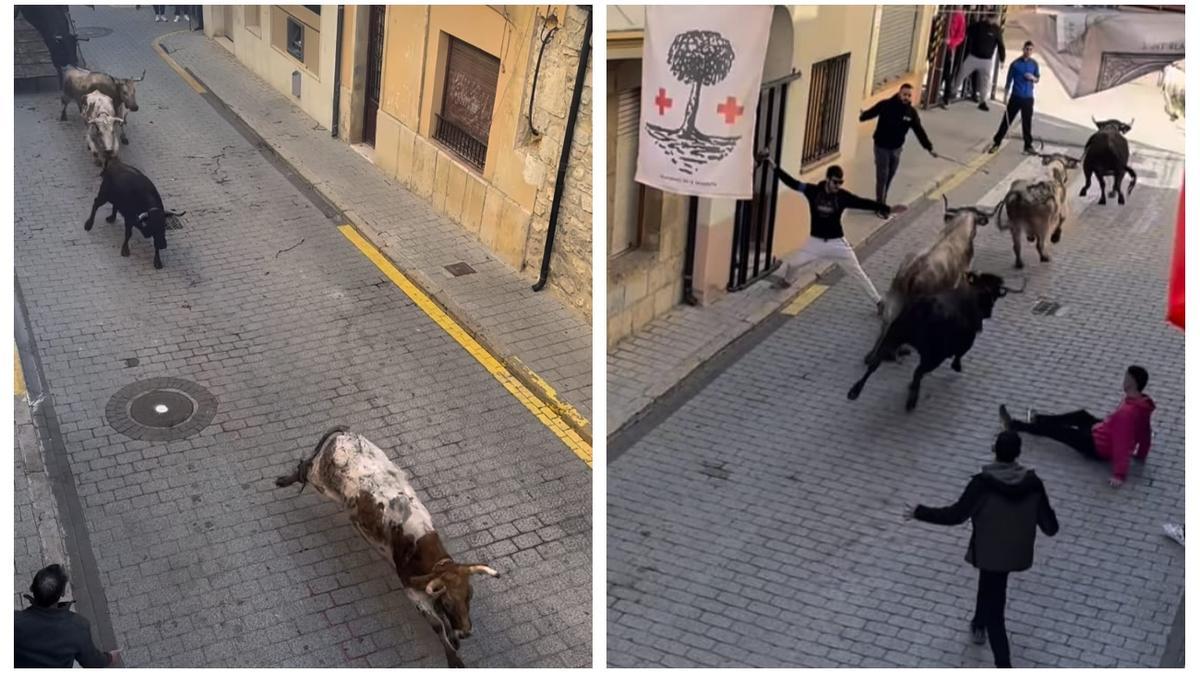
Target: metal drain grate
(459,269)
(161,409)
(1046,307)
(174,223)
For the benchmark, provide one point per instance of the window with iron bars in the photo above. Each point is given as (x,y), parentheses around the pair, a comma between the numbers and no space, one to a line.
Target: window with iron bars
(468,96)
(826,106)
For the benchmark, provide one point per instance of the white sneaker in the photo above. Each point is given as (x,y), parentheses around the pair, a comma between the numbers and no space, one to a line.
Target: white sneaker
(1174,531)
(186,17)
(176,18)
(1030,413)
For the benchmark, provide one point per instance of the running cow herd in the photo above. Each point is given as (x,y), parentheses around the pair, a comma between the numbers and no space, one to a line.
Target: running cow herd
(105,102)
(937,305)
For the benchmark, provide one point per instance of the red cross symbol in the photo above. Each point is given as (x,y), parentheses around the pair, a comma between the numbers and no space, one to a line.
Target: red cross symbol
(731,110)
(662,102)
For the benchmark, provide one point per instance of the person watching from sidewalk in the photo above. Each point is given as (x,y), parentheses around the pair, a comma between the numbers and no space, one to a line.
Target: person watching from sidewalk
(1022,75)
(49,634)
(1006,504)
(1122,435)
(985,38)
(827,241)
(896,116)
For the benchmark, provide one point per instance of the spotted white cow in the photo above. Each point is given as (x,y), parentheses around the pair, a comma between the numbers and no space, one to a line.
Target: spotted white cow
(385,510)
(103,125)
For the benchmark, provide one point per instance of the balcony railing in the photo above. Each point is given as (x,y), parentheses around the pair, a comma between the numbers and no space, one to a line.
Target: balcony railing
(460,142)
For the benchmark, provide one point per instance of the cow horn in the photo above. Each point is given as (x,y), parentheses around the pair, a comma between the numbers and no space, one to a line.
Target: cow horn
(1094,121)
(435,588)
(1131,119)
(945,202)
(1024,283)
(480,569)
(173,213)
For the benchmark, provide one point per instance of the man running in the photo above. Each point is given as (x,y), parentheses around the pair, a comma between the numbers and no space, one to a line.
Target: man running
(985,39)
(1022,75)
(826,202)
(896,116)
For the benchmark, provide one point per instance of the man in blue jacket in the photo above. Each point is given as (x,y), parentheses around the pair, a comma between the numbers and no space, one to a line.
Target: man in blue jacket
(1022,75)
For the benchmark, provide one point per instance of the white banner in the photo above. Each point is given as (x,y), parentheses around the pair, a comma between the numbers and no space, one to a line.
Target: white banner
(701,72)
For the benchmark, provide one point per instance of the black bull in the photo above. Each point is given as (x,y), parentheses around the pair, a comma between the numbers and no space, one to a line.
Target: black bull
(939,326)
(1107,154)
(53,23)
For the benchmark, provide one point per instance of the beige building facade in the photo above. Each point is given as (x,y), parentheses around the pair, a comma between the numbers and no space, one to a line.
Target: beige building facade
(454,103)
(828,62)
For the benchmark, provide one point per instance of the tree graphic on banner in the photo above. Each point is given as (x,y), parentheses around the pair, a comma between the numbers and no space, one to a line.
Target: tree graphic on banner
(700,58)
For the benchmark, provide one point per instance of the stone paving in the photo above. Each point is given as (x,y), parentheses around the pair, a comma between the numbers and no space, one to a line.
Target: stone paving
(761,522)
(527,330)
(203,561)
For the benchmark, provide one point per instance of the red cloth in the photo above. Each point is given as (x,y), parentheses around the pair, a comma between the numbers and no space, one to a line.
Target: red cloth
(1125,434)
(958,29)
(1175,292)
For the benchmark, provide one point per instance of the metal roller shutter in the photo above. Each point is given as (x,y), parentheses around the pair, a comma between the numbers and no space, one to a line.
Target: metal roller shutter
(893,54)
(470,93)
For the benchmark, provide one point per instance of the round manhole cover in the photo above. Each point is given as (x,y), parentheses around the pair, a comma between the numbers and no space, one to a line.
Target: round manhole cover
(161,409)
(93,32)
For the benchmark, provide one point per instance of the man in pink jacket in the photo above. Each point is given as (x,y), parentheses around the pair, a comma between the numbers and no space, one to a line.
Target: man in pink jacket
(1122,435)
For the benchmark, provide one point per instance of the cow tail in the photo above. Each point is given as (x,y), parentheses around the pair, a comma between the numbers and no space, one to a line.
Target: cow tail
(300,475)
(325,439)
(1132,179)
(998,214)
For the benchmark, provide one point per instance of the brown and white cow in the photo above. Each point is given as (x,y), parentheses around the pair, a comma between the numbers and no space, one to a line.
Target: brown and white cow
(383,507)
(103,125)
(1037,210)
(941,266)
(79,82)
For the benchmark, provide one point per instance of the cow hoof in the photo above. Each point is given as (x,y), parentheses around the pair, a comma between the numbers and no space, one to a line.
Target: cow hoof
(1045,258)
(111,219)
(124,141)
(124,253)
(1103,202)
(158,265)
(853,393)
(1030,238)
(1055,237)
(910,404)
(1083,192)
(956,366)
(1019,265)
(1121,200)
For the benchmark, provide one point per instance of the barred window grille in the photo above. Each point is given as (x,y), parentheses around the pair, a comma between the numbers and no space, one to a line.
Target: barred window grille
(826,105)
(468,96)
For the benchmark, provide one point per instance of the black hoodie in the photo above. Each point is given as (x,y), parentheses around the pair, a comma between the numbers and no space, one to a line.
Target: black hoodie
(1006,504)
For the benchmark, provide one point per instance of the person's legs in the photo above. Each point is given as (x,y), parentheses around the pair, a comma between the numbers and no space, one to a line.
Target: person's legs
(985,79)
(1014,105)
(791,265)
(1027,122)
(1075,418)
(881,172)
(843,253)
(893,167)
(1066,432)
(994,586)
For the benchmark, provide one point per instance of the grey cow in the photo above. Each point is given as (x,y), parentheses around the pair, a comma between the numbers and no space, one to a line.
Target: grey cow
(79,82)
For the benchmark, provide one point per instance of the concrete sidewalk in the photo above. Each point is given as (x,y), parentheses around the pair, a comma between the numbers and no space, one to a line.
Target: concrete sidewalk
(543,342)
(648,364)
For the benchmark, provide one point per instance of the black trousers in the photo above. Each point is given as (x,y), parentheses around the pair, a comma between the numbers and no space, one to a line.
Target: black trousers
(1017,104)
(1073,429)
(989,614)
(159,10)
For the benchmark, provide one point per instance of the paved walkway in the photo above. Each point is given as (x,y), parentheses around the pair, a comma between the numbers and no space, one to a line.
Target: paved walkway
(644,366)
(268,306)
(760,523)
(531,332)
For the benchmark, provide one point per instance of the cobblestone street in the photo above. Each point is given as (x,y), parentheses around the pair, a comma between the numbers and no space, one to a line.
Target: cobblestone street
(267,306)
(760,520)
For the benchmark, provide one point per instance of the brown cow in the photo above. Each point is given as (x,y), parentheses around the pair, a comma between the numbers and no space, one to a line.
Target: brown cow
(1034,208)
(385,510)
(78,83)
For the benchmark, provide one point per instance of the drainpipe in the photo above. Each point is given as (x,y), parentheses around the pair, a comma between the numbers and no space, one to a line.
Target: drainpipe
(689,256)
(337,73)
(585,53)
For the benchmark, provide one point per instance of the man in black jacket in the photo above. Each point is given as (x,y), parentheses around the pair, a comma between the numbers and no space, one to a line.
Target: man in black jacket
(50,635)
(985,38)
(1006,504)
(826,202)
(896,116)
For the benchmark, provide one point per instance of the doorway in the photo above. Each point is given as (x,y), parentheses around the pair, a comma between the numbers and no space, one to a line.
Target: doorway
(374,89)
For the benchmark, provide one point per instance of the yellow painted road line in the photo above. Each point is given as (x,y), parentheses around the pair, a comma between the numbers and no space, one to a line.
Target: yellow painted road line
(187,77)
(18,374)
(544,411)
(805,299)
(963,173)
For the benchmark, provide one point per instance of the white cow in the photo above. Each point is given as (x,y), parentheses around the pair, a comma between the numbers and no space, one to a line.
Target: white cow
(103,127)
(385,510)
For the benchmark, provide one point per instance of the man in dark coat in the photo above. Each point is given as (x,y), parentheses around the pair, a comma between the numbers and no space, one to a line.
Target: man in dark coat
(896,116)
(1006,503)
(49,634)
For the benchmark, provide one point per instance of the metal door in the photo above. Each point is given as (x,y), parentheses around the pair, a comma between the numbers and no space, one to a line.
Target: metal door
(750,256)
(375,32)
